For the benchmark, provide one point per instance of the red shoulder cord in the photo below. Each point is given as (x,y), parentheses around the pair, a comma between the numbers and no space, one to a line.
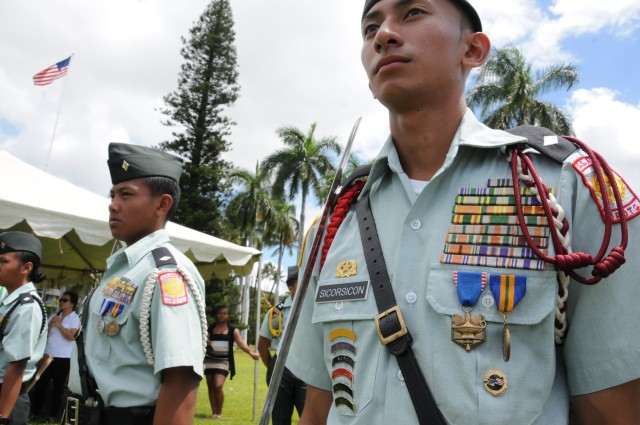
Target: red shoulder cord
(340,211)
(566,261)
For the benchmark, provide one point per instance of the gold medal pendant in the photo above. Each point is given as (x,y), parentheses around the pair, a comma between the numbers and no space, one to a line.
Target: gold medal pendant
(506,341)
(468,331)
(112,328)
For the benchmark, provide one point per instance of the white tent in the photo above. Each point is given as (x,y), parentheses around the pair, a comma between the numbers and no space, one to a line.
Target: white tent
(72,224)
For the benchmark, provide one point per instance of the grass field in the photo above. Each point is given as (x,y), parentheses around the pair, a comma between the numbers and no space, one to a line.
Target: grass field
(238,396)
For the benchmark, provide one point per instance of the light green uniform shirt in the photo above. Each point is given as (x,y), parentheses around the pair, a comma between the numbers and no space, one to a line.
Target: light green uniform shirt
(118,362)
(24,337)
(265,331)
(603,344)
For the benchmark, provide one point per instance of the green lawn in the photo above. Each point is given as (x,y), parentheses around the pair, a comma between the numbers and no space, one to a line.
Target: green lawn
(238,396)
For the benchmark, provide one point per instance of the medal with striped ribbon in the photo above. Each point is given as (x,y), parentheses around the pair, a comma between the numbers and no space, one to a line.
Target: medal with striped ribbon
(507,290)
(468,331)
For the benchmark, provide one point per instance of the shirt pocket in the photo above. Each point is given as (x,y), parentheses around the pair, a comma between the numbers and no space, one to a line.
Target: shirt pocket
(530,371)
(347,326)
(115,339)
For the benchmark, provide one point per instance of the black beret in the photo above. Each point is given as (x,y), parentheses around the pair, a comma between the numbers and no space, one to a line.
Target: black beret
(464,5)
(292,275)
(20,241)
(128,162)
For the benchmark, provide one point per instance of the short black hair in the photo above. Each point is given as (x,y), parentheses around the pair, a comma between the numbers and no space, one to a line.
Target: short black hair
(159,185)
(36,276)
(73,297)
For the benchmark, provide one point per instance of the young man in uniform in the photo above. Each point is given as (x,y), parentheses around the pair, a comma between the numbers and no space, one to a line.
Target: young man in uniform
(22,323)
(292,391)
(441,246)
(144,327)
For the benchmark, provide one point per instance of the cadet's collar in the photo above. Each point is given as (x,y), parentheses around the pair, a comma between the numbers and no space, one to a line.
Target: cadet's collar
(474,133)
(138,250)
(471,132)
(29,287)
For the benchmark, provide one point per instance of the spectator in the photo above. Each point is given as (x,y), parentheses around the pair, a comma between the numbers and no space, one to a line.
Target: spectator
(219,361)
(62,330)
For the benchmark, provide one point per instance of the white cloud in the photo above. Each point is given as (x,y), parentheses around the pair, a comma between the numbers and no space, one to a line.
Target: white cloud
(609,126)
(299,63)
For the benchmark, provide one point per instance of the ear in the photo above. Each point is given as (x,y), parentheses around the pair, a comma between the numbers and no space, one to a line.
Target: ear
(27,268)
(478,47)
(165,204)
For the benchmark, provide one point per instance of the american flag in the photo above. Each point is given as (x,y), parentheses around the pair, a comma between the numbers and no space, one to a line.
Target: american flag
(52,73)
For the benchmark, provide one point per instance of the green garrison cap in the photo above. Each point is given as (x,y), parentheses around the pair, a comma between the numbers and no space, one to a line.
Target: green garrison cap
(292,275)
(20,241)
(464,5)
(128,162)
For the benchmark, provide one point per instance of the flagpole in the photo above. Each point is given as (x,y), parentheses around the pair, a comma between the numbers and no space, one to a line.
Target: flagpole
(55,126)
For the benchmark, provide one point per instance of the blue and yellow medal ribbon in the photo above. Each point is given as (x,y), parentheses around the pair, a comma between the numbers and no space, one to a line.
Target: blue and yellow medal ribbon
(507,290)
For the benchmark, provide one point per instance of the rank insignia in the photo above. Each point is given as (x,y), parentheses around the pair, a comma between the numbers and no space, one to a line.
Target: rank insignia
(125,165)
(347,268)
(495,382)
(173,289)
(630,202)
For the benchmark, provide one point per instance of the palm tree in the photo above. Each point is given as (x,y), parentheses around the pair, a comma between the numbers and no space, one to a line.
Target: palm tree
(509,94)
(300,166)
(281,231)
(250,209)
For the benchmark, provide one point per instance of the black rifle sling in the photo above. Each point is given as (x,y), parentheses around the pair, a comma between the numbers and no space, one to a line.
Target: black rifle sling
(87,382)
(391,327)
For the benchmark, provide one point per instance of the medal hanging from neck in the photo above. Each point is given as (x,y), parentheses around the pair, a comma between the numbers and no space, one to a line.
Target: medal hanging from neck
(507,290)
(468,331)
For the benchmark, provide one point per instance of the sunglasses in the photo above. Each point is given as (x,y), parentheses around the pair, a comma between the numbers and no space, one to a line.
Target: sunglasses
(63,300)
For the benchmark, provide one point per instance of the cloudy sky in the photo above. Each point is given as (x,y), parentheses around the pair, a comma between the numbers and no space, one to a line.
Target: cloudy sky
(298,64)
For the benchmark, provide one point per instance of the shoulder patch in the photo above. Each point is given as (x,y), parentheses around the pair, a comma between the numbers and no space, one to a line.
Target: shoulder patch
(545,141)
(173,289)
(630,202)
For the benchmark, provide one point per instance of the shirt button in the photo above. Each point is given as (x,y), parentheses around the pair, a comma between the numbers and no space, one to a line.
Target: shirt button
(411,297)
(400,377)
(416,224)
(488,301)
(339,305)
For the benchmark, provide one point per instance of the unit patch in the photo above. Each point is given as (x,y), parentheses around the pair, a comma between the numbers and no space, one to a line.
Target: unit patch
(173,289)
(484,228)
(630,202)
(351,291)
(120,288)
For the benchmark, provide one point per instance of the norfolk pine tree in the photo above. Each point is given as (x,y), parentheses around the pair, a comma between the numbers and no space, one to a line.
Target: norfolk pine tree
(207,86)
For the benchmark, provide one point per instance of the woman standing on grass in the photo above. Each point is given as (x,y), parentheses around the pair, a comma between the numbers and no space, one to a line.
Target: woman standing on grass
(219,361)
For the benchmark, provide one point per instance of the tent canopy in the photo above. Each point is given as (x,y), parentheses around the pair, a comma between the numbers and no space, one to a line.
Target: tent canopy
(72,224)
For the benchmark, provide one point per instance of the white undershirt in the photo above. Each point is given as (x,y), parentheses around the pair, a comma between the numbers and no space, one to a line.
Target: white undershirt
(418,185)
